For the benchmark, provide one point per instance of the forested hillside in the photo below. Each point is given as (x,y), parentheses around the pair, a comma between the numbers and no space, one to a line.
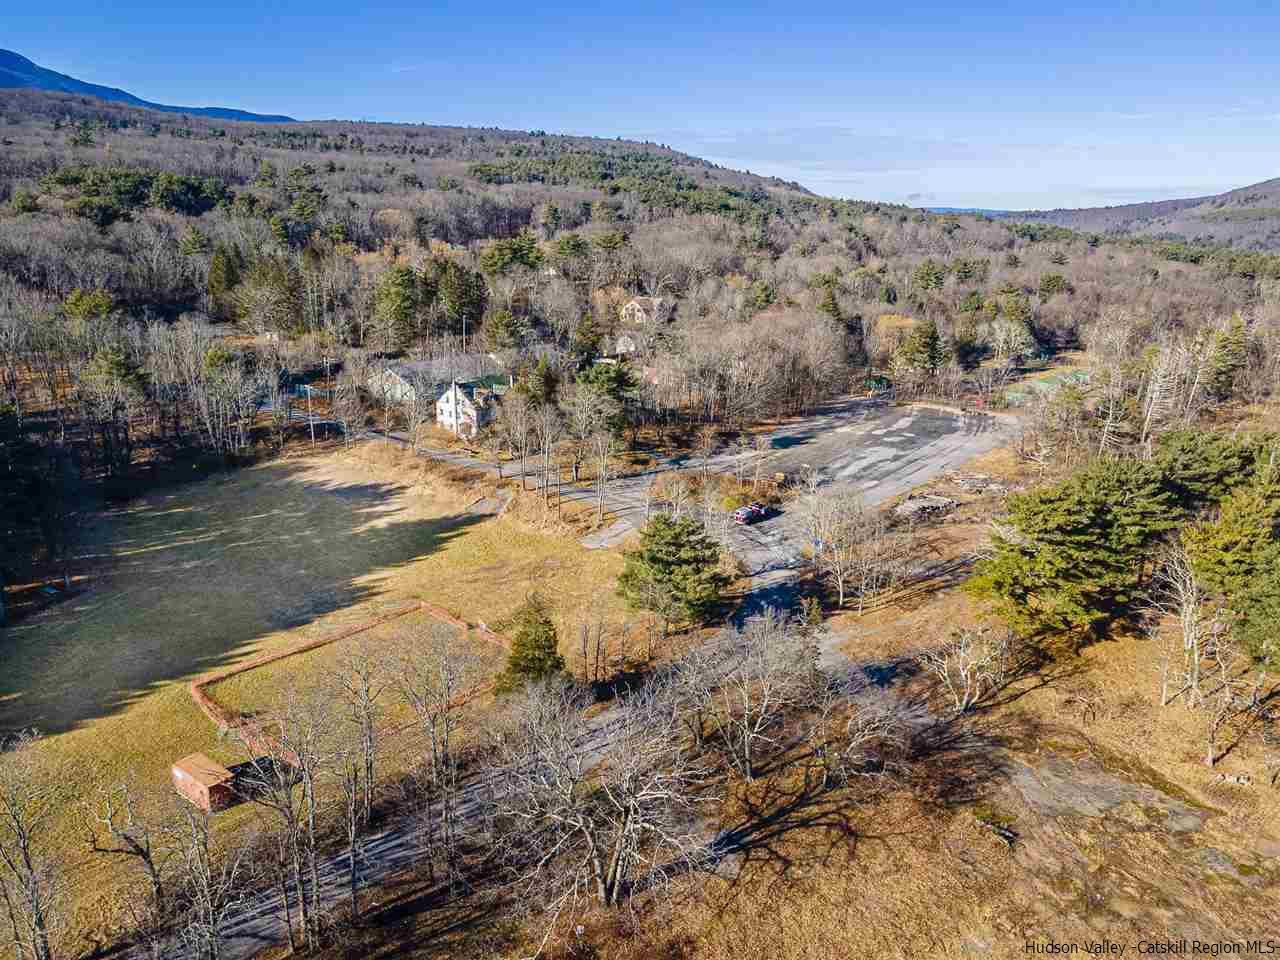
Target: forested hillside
(134,243)
(1247,218)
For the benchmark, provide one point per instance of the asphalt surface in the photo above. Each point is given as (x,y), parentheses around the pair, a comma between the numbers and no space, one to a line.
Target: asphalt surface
(868,445)
(879,450)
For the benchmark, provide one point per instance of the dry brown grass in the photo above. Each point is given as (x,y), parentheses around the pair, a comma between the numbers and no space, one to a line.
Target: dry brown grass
(909,873)
(210,573)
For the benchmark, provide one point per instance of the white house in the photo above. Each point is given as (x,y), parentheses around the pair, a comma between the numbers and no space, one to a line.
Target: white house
(464,408)
(647,311)
(401,381)
(627,343)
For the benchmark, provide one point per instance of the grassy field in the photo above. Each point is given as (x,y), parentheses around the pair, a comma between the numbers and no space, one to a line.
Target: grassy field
(256,691)
(204,575)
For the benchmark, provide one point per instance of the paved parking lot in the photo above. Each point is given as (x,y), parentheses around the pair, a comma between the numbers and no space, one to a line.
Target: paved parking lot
(869,445)
(879,450)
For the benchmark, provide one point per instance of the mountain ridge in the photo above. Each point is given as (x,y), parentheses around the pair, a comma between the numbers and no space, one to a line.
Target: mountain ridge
(18,72)
(1247,217)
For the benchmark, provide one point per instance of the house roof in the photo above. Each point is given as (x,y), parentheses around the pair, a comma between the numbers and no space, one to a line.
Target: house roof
(492,385)
(653,308)
(458,366)
(202,769)
(467,389)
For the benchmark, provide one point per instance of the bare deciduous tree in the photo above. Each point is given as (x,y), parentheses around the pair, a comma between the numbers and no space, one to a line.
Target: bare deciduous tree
(210,881)
(363,680)
(434,677)
(282,776)
(419,404)
(30,883)
(761,671)
(585,813)
(1176,592)
(120,826)
(516,426)
(970,665)
(848,738)
(1232,691)
(854,548)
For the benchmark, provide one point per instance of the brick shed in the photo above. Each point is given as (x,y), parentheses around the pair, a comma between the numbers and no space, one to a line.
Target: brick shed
(205,782)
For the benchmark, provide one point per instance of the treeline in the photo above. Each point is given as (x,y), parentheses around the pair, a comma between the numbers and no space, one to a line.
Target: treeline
(119,220)
(1078,554)
(654,180)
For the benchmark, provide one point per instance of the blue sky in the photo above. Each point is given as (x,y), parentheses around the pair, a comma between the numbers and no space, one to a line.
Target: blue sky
(1013,105)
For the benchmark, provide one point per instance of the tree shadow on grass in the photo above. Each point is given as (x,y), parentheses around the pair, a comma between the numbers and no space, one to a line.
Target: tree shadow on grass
(188,579)
(415,913)
(761,836)
(786,826)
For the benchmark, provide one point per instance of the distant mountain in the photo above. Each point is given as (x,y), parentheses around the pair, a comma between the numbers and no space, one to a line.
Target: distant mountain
(1247,218)
(975,211)
(17,71)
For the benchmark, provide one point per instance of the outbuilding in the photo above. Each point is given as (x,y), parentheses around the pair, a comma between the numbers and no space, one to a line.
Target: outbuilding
(205,782)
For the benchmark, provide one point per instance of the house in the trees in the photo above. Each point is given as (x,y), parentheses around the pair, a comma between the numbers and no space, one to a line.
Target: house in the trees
(411,381)
(625,344)
(465,407)
(646,311)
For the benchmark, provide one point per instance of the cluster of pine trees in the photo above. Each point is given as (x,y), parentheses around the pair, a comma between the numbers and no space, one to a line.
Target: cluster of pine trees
(1076,556)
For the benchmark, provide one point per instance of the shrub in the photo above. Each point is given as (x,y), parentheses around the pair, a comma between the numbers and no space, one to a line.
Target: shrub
(24,201)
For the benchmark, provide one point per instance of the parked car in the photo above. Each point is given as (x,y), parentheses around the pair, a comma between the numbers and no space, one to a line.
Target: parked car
(750,513)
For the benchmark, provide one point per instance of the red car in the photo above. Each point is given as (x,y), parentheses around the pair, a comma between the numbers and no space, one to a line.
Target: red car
(750,513)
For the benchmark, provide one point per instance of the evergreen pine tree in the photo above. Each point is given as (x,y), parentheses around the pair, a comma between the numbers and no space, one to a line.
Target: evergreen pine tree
(674,573)
(279,229)
(1075,553)
(463,297)
(924,350)
(586,343)
(535,652)
(1237,556)
(224,275)
(1230,351)
(395,306)
(542,383)
(1201,468)
(1258,613)
(502,331)
(193,242)
(88,304)
(1231,552)
(930,275)
(830,305)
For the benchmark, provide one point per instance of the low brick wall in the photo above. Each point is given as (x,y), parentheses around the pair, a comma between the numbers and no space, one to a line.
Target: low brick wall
(225,718)
(253,734)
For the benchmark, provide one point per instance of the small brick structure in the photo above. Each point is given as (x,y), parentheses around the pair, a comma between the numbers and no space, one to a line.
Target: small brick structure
(205,782)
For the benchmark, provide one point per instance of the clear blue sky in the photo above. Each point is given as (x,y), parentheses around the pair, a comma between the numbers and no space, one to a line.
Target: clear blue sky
(960,104)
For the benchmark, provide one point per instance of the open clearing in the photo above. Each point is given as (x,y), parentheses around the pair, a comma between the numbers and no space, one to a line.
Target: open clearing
(258,690)
(201,576)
